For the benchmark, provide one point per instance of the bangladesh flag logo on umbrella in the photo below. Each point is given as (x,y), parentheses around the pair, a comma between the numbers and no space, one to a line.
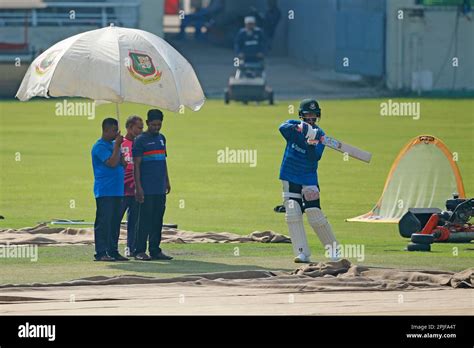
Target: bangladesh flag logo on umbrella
(46,62)
(142,68)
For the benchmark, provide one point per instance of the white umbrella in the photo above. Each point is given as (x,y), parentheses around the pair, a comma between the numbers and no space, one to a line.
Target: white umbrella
(114,64)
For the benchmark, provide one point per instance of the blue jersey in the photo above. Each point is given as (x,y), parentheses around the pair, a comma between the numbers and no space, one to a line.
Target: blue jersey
(108,181)
(300,161)
(250,43)
(152,149)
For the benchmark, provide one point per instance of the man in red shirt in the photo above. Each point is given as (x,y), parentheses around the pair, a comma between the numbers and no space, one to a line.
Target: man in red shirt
(134,127)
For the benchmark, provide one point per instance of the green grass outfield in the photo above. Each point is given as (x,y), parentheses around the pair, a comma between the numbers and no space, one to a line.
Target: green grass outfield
(55,168)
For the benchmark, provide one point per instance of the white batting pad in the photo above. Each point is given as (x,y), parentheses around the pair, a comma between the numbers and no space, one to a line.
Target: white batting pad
(323,229)
(294,219)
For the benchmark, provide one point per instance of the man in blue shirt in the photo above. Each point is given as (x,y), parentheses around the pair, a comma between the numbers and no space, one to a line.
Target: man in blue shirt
(250,43)
(152,184)
(108,191)
(271,18)
(200,17)
(299,176)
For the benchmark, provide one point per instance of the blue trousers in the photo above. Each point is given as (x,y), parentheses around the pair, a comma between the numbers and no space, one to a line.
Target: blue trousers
(198,19)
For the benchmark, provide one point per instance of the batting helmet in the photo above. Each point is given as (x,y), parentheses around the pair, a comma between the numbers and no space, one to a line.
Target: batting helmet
(309,106)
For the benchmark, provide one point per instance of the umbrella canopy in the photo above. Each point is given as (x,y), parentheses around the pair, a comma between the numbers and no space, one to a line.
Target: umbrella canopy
(116,65)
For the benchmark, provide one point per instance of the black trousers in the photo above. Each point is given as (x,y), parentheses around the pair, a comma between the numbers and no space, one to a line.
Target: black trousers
(107,226)
(296,188)
(150,223)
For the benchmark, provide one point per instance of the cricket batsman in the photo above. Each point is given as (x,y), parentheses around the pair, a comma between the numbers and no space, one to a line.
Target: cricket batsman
(299,176)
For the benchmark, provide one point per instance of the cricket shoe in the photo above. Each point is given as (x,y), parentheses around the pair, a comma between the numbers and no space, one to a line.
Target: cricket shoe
(119,257)
(142,257)
(302,258)
(161,256)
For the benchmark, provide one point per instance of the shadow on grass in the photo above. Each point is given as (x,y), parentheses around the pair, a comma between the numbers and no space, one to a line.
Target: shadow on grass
(182,267)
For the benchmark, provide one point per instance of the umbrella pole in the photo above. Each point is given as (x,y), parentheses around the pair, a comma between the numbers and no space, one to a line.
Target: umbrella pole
(117,113)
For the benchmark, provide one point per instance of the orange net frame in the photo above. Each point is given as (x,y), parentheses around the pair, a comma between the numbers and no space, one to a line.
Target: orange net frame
(424,175)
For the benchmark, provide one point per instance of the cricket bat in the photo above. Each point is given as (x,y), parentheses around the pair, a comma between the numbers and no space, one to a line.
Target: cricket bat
(346,148)
(334,144)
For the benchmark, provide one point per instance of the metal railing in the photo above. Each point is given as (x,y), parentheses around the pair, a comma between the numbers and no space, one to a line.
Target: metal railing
(74,13)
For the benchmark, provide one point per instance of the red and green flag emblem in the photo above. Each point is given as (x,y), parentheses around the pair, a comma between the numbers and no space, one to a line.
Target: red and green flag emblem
(46,62)
(142,68)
